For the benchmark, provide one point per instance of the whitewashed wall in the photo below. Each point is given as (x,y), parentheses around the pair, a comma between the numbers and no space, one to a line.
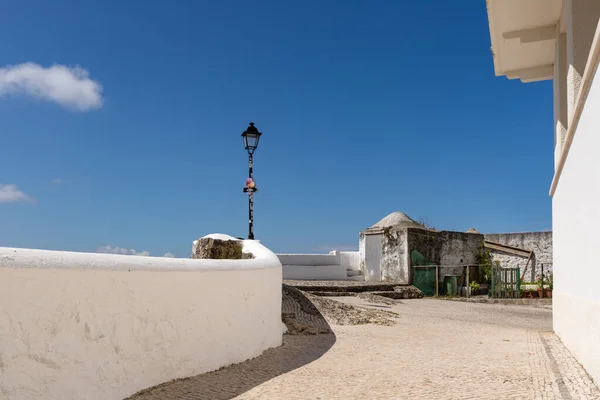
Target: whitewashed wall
(362,252)
(312,266)
(576,220)
(350,260)
(99,326)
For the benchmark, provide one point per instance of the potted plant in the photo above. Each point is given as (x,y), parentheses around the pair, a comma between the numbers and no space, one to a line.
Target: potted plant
(545,285)
(540,285)
(527,291)
(549,285)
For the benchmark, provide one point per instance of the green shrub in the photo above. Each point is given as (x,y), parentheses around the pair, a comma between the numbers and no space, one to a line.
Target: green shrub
(485,260)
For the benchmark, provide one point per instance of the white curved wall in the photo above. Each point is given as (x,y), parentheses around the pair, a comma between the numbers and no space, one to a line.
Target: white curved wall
(102,326)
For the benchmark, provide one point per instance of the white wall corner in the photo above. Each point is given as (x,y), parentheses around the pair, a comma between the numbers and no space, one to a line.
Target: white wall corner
(560,95)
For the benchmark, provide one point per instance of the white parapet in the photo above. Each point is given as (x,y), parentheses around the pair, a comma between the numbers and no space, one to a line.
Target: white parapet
(350,260)
(104,326)
(312,266)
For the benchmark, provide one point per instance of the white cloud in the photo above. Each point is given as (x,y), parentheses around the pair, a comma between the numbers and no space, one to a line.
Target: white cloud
(169,255)
(70,87)
(10,194)
(121,250)
(57,181)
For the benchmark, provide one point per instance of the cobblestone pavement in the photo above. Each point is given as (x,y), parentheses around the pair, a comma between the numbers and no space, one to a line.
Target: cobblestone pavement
(435,350)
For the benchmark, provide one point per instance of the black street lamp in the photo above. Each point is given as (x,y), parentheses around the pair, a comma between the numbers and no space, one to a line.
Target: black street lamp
(251,136)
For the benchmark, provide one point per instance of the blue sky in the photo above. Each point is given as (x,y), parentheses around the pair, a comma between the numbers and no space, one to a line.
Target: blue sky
(366,107)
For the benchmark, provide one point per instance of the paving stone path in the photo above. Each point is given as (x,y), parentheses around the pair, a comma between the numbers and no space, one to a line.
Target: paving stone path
(434,350)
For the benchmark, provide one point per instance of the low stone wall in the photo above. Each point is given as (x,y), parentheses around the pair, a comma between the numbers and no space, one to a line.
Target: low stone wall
(539,242)
(101,326)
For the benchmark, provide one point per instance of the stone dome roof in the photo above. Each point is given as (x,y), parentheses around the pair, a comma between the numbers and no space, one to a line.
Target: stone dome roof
(396,219)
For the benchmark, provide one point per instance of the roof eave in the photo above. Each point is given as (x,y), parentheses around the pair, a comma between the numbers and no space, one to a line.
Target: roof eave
(493,40)
(533,59)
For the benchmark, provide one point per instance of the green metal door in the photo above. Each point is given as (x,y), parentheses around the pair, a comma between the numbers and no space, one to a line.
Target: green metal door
(424,279)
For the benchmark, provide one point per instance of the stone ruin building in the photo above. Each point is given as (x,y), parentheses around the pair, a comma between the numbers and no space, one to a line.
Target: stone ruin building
(390,248)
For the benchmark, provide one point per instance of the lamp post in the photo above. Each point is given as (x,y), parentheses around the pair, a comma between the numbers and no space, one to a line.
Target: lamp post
(250,136)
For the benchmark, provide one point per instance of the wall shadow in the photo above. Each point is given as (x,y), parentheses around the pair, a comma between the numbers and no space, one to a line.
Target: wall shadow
(297,350)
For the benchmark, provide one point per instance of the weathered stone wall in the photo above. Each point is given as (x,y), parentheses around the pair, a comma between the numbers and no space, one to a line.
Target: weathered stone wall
(459,248)
(539,242)
(449,250)
(427,243)
(394,263)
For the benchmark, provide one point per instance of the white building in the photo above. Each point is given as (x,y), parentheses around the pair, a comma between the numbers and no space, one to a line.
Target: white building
(535,40)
